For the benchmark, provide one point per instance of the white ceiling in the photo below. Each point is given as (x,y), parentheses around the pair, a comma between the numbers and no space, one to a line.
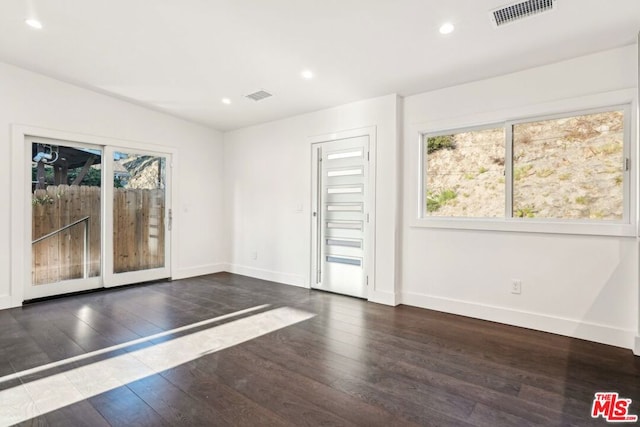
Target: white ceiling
(184,56)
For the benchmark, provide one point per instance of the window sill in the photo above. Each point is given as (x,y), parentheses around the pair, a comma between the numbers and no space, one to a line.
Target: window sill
(528,226)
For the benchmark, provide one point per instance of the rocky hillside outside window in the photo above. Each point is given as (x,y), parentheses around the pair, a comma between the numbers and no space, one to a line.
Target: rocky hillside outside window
(569,167)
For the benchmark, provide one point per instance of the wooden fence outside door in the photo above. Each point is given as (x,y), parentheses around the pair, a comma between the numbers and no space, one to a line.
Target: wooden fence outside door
(138,231)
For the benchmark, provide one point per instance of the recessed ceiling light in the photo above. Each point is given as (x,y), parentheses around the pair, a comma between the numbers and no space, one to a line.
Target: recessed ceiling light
(447,28)
(226,101)
(33,23)
(307,74)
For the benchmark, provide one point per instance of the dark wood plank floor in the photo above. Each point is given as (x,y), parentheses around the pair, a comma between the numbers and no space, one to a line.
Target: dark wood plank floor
(354,363)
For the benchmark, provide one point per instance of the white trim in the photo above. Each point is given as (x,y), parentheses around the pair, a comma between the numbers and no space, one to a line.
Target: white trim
(5,301)
(385,298)
(370,201)
(20,207)
(343,134)
(604,334)
(527,226)
(625,98)
(315,202)
(200,270)
(269,275)
(587,102)
(372,252)
(636,159)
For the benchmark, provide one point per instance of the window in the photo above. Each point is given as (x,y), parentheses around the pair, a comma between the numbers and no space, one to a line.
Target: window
(569,167)
(465,174)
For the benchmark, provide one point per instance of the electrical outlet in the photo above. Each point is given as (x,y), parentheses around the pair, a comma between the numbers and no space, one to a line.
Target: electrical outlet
(254,255)
(516,287)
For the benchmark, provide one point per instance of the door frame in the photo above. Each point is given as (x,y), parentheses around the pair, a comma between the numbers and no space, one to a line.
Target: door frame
(369,263)
(20,219)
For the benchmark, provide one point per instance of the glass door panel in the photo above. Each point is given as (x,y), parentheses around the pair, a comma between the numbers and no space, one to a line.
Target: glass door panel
(66,197)
(138,212)
(139,215)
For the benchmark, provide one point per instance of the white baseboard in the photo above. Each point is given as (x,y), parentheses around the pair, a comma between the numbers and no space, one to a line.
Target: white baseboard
(636,348)
(386,298)
(199,270)
(5,302)
(569,327)
(272,276)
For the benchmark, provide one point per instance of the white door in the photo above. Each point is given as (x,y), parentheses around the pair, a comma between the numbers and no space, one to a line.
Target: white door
(340,215)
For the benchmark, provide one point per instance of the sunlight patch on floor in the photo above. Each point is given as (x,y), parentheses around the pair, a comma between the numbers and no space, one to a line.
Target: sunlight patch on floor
(127,344)
(38,397)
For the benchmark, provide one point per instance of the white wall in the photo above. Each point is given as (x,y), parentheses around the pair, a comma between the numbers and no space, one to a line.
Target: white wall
(577,285)
(31,99)
(268,175)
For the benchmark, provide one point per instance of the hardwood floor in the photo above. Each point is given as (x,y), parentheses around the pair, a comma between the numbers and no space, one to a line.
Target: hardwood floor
(341,361)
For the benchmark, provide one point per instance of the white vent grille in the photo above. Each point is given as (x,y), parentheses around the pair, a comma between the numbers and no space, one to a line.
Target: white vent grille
(525,9)
(259,95)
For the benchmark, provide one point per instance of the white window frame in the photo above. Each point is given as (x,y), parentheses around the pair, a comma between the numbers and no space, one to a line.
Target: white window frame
(614,101)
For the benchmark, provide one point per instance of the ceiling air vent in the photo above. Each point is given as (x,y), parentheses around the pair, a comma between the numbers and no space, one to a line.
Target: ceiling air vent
(259,95)
(508,14)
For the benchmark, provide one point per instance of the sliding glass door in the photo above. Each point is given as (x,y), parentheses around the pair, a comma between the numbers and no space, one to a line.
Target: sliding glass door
(99,216)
